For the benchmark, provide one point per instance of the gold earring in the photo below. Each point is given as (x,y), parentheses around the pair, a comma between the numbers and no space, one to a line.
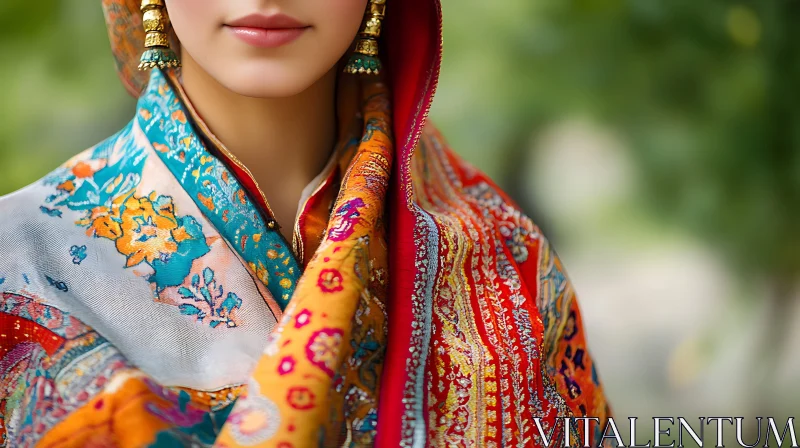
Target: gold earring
(156,42)
(365,57)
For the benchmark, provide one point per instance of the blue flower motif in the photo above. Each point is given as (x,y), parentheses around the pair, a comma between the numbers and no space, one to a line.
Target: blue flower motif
(50,211)
(61,286)
(78,253)
(207,300)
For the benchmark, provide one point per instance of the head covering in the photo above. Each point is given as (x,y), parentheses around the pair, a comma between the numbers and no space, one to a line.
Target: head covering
(126,33)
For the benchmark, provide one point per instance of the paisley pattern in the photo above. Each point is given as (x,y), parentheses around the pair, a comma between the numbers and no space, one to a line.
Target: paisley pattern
(500,340)
(64,368)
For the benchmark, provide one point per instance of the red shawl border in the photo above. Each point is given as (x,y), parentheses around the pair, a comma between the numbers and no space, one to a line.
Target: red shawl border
(413,45)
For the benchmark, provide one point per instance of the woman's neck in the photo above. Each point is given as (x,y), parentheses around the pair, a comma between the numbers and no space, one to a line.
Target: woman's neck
(284,142)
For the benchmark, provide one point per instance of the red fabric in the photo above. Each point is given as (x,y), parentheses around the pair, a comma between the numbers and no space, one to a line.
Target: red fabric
(412,56)
(16,330)
(313,218)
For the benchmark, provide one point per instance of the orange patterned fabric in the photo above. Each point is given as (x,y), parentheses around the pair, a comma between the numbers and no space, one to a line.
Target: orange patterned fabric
(311,353)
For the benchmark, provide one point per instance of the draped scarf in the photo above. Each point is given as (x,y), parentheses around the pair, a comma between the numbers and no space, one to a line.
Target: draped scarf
(322,365)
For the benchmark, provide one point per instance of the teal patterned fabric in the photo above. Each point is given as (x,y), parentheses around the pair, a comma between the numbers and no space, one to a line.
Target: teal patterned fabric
(215,190)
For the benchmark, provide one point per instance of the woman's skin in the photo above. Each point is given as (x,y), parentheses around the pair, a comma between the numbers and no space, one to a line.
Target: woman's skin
(284,142)
(273,107)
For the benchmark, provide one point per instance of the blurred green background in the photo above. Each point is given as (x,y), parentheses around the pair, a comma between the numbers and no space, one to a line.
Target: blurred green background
(656,142)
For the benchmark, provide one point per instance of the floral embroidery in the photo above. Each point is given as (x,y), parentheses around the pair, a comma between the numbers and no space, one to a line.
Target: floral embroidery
(144,228)
(323,348)
(147,227)
(300,398)
(346,216)
(466,297)
(207,301)
(330,280)
(78,253)
(286,365)
(303,318)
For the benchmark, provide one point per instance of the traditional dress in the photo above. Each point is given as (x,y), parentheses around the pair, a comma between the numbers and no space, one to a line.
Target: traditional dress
(148,298)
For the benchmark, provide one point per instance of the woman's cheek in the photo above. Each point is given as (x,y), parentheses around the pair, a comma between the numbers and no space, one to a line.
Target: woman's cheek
(189,21)
(342,17)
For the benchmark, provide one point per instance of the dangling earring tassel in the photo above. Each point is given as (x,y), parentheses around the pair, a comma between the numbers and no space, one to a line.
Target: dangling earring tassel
(156,42)
(364,59)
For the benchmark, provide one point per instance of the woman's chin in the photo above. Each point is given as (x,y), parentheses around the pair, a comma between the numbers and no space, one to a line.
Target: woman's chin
(268,81)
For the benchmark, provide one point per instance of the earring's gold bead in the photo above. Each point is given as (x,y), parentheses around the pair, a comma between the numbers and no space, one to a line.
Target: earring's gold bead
(156,41)
(368,47)
(148,4)
(372,28)
(365,57)
(377,9)
(154,20)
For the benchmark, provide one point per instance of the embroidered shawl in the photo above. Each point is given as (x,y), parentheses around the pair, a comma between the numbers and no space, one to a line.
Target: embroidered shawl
(148,299)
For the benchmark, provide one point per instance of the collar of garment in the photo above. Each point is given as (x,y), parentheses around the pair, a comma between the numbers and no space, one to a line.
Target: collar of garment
(316,199)
(228,195)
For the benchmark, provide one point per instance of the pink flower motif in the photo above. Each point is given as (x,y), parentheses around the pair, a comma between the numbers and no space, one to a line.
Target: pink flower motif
(330,280)
(323,349)
(286,365)
(301,398)
(303,318)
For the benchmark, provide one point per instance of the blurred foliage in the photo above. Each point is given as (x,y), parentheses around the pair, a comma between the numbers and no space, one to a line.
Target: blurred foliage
(704,93)
(60,92)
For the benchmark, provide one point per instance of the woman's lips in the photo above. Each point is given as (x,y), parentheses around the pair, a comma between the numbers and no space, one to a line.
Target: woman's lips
(266,38)
(267,31)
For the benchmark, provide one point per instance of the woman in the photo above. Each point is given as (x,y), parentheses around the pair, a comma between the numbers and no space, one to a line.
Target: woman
(151,296)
